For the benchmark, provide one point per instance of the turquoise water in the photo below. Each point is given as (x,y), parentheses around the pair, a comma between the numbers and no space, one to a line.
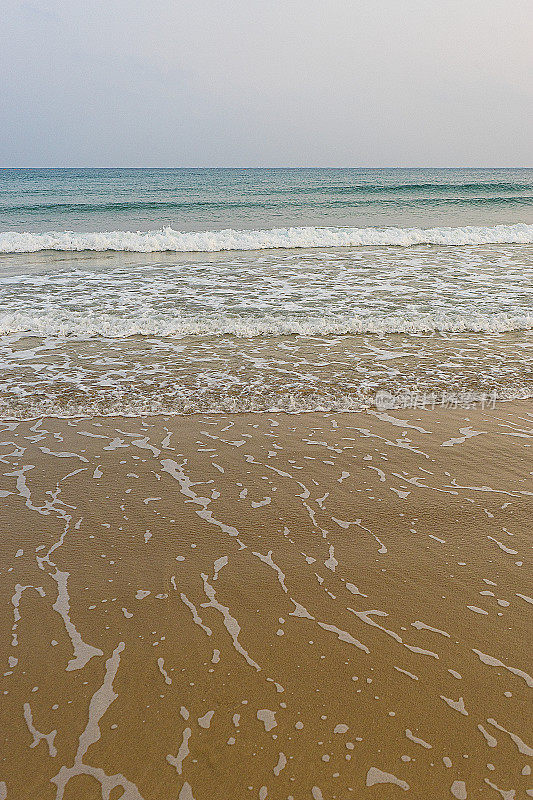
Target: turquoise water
(190,290)
(212,199)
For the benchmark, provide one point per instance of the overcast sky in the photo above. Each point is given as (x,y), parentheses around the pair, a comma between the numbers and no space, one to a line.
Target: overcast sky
(266,83)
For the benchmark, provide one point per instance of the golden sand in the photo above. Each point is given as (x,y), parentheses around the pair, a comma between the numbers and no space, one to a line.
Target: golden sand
(267,606)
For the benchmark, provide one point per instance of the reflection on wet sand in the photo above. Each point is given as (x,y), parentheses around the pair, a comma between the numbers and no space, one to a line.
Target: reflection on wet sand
(267,606)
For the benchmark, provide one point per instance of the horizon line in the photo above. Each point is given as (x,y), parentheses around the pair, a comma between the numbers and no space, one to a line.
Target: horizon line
(301,167)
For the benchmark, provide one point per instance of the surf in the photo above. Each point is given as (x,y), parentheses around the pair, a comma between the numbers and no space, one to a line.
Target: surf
(169,240)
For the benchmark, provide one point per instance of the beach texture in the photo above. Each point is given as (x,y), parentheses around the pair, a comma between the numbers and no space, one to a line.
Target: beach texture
(263,606)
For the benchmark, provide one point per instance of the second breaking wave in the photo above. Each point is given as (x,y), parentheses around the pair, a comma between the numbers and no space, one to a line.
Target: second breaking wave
(70,323)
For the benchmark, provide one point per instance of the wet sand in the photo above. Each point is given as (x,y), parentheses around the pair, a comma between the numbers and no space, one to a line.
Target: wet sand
(267,606)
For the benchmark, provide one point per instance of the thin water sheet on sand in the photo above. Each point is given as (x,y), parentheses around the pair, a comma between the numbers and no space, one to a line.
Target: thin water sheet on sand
(267,606)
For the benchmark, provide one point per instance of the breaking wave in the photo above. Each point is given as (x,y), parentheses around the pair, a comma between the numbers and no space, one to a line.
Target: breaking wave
(168,239)
(69,323)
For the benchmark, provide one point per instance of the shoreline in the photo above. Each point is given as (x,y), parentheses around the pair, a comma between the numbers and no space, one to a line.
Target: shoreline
(475,405)
(320,604)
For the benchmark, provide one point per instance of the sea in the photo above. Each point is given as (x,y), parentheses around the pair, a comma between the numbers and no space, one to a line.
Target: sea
(141,291)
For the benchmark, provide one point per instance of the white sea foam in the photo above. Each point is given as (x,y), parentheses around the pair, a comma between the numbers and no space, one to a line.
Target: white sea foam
(168,239)
(60,322)
(135,405)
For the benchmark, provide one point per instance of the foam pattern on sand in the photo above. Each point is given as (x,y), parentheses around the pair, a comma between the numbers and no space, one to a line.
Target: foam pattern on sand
(229,607)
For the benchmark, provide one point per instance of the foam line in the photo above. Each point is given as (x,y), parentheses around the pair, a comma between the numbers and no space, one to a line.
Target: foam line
(59,322)
(168,239)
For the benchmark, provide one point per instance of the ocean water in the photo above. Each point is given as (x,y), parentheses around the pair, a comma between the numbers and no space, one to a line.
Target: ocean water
(182,290)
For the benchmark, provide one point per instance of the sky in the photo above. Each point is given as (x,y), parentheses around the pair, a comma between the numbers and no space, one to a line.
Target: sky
(266,83)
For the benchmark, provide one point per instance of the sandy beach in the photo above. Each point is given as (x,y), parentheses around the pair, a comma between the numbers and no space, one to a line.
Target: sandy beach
(266,400)
(267,606)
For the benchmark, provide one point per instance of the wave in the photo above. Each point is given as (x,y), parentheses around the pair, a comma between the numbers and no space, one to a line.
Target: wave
(82,325)
(168,239)
(255,402)
(313,200)
(372,188)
